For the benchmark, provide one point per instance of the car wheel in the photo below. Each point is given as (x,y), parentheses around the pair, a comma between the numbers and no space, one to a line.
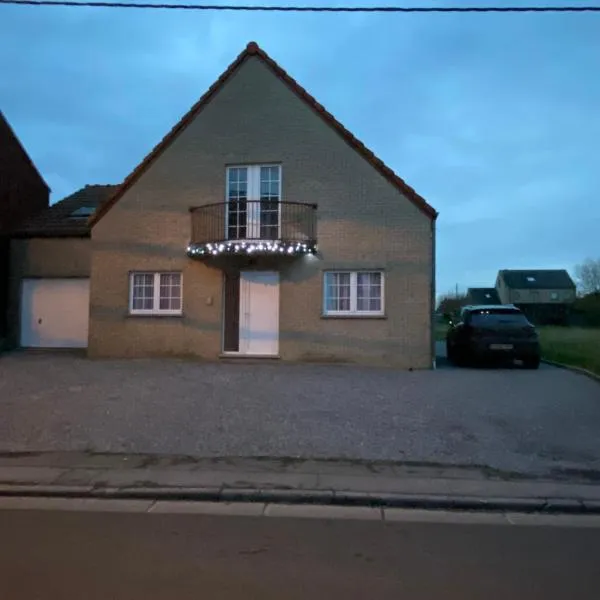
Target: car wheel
(531,363)
(465,358)
(460,357)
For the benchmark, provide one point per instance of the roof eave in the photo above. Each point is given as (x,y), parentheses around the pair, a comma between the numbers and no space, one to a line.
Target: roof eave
(252,49)
(22,235)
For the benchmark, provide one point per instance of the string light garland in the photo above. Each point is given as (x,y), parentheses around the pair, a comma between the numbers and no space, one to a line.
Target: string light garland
(269,247)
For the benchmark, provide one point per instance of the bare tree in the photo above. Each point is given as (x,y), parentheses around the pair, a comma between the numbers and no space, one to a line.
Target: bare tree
(588,276)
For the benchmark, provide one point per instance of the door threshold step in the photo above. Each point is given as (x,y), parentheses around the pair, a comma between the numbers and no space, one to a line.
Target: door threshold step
(248,357)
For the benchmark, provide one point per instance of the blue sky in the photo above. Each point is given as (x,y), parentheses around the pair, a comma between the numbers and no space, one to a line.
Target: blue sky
(494,118)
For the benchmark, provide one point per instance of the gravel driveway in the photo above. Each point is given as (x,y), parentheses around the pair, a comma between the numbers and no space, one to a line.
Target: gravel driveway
(534,422)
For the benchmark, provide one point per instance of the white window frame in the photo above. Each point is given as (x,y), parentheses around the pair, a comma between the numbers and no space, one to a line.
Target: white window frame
(156,310)
(353,312)
(252,195)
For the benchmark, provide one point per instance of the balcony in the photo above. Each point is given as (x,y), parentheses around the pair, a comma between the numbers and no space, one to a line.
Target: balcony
(253,227)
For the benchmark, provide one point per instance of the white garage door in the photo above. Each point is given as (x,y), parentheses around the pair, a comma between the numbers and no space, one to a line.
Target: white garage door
(55,313)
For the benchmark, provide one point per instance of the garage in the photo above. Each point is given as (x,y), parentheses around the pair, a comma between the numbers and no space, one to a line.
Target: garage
(54,313)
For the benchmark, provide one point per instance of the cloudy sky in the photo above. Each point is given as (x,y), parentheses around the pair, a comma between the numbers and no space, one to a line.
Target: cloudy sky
(494,118)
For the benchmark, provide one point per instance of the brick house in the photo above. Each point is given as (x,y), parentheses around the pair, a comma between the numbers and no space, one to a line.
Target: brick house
(259,226)
(544,295)
(23,193)
(482,296)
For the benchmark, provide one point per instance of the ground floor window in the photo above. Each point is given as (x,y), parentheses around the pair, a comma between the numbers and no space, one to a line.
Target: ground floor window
(155,293)
(353,293)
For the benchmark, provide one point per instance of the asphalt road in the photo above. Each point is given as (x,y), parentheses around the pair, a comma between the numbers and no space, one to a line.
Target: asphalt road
(57,555)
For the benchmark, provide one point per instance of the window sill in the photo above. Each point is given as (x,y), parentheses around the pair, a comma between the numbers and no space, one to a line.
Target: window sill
(354,316)
(154,316)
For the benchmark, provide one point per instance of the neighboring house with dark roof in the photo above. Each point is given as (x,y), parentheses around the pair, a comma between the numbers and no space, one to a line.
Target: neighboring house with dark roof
(260,226)
(23,193)
(544,295)
(479,296)
(50,271)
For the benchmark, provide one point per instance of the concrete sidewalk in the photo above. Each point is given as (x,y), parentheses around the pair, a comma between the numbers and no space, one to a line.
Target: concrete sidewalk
(289,481)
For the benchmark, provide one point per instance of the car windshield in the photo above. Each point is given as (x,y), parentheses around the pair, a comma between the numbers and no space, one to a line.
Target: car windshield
(498,317)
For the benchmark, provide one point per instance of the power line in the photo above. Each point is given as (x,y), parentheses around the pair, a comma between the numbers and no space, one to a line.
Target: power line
(311,9)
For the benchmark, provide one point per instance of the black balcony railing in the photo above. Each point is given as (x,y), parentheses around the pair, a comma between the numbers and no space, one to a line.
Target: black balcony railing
(253,226)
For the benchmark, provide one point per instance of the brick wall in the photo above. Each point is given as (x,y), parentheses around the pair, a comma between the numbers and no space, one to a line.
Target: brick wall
(43,257)
(363,222)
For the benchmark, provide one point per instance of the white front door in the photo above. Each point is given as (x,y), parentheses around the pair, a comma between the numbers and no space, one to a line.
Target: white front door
(55,313)
(259,312)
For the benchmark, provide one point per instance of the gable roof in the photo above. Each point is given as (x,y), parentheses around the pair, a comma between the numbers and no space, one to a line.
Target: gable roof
(58,219)
(537,279)
(252,49)
(7,132)
(483,296)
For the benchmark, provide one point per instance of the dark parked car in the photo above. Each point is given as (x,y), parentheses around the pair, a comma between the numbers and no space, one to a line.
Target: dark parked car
(491,332)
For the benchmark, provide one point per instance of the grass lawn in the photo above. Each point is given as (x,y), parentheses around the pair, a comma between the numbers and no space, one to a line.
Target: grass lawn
(574,346)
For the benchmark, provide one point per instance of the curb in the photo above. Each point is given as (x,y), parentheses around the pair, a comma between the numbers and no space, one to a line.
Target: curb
(311,497)
(579,370)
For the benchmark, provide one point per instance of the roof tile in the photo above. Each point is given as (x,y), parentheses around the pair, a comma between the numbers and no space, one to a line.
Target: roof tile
(483,296)
(57,219)
(537,279)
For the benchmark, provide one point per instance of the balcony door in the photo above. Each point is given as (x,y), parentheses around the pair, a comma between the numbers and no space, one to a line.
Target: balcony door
(253,202)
